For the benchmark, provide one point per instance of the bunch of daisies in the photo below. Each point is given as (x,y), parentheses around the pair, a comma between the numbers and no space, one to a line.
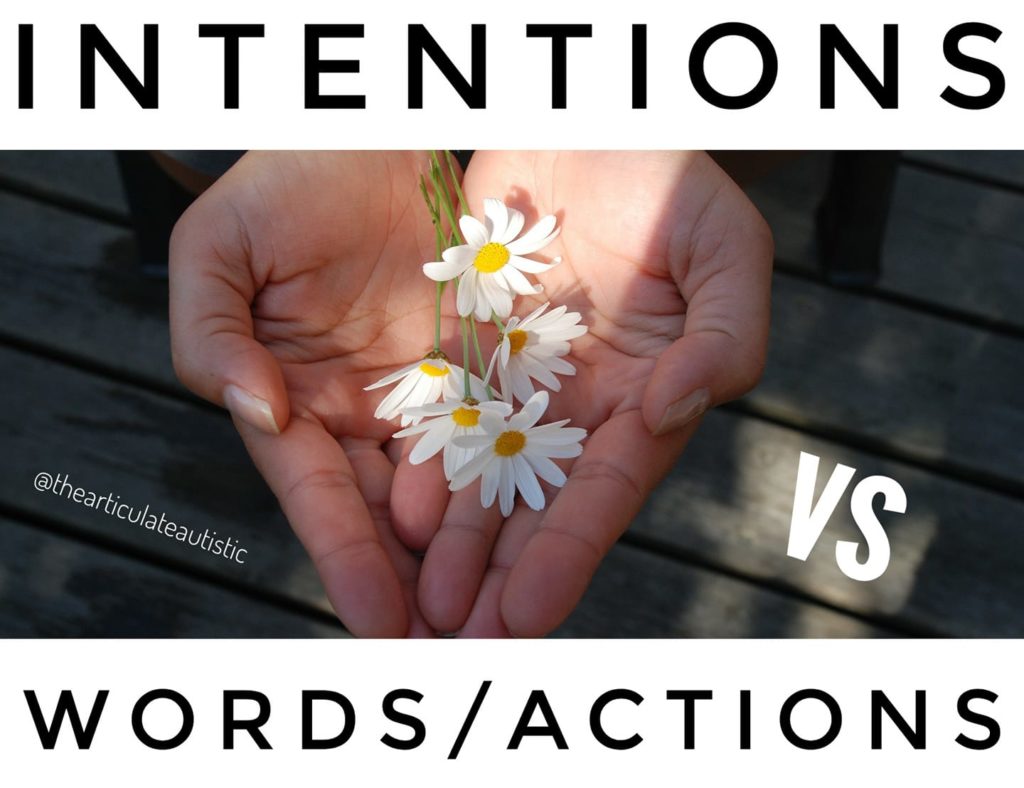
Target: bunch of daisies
(471,418)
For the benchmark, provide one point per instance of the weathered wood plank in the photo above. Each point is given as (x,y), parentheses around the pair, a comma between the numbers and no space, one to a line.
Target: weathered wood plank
(71,283)
(86,177)
(957,563)
(187,462)
(1006,166)
(951,243)
(51,586)
(932,388)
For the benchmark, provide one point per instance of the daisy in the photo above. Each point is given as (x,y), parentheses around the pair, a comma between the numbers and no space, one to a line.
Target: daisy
(454,418)
(420,383)
(490,263)
(533,348)
(513,454)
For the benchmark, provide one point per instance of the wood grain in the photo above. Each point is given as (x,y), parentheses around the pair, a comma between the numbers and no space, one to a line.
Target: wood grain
(51,586)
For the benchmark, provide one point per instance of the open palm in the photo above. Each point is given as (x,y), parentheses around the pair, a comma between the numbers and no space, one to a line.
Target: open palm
(669,265)
(295,283)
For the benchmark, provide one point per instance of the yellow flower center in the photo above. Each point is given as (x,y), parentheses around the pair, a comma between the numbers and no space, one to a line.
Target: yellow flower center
(435,372)
(466,417)
(517,339)
(491,257)
(509,443)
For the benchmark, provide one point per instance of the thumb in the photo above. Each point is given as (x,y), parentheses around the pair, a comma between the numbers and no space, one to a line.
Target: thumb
(211,293)
(721,354)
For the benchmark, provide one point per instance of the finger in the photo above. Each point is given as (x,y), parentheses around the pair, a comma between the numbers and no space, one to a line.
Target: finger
(419,496)
(485,619)
(211,293)
(374,474)
(724,273)
(620,465)
(319,492)
(456,560)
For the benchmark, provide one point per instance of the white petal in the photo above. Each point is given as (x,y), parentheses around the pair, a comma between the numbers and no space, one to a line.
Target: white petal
(455,458)
(522,386)
(492,423)
(495,218)
(462,254)
(506,486)
(552,317)
(491,365)
(561,366)
(499,297)
(506,383)
(414,430)
(537,237)
(560,437)
(473,231)
(465,475)
(433,441)
(527,483)
(483,309)
(531,266)
(420,394)
(536,313)
(396,398)
(434,408)
(544,468)
(551,426)
(443,272)
(489,484)
(506,347)
(472,441)
(558,452)
(500,408)
(477,389)
(531,412)
(536,370)
(467,295)
(515,225)
(387,380)
(518,282)
(452,384)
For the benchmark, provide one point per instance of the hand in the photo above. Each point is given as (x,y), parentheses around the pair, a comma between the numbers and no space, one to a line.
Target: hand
(295,283)
(670,265)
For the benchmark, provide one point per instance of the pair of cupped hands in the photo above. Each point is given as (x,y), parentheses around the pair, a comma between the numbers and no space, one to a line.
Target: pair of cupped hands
(295,281)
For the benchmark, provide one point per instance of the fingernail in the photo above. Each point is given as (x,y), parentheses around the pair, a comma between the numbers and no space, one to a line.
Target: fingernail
(252,410)
(683,411)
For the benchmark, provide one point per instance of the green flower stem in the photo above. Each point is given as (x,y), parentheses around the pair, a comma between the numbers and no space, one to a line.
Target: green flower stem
(435,218)
(441,187)
(465,358)
(450,160)
(498,323)
(480,357)
(437,316)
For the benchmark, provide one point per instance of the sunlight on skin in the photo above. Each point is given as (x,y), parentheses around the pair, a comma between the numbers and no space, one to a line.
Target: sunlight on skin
(319,254)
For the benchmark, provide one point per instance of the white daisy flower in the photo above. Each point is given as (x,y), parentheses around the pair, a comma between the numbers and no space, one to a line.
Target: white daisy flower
(454,418)
(513,454)
(420,383)
(532,349)
(490,263)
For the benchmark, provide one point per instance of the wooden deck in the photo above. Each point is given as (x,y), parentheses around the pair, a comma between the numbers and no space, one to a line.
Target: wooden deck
(921,378)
